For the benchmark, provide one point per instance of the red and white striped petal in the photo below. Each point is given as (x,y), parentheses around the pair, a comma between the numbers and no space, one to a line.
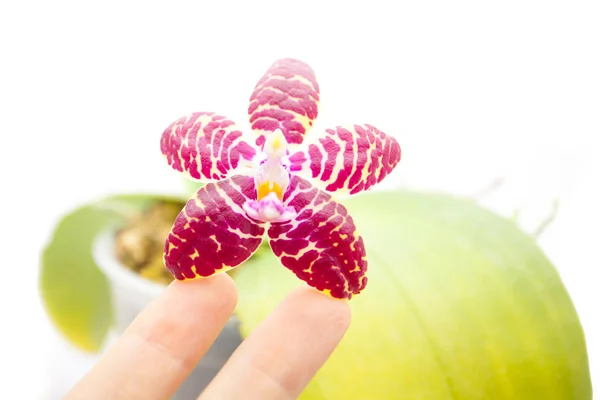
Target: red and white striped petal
(321,245)
(347,160)
(212,233)
(286,98)
(205,146)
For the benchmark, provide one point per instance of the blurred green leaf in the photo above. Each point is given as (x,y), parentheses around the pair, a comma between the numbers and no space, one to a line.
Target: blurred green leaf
(190,187)
(460,304)
(74,291)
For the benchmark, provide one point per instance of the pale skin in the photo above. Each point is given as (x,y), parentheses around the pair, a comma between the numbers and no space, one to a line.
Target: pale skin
(164,343)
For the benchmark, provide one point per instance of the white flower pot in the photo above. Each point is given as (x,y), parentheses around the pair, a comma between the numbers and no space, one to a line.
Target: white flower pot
(131,293)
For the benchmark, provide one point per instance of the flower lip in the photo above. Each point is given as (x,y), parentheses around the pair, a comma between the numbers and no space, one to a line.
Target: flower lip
(269,209)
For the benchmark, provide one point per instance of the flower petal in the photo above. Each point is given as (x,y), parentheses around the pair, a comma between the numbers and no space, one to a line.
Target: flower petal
(212,233)
(321,245)
(286,97)
(348,160)
(205,146)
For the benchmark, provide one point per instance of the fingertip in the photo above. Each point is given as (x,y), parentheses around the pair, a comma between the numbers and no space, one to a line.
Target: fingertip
(220,288)
(320,307)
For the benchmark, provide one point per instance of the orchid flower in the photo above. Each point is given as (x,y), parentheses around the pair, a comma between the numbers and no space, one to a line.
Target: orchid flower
(274,181)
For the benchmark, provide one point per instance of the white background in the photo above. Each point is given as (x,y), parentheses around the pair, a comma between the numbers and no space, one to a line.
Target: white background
(473,91)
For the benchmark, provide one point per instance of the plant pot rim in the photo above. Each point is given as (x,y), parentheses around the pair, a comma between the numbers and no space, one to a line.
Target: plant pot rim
(103,252)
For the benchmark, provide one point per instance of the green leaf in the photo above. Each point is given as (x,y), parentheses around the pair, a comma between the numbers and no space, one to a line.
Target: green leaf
(74,291)
(460,304)
(190,187)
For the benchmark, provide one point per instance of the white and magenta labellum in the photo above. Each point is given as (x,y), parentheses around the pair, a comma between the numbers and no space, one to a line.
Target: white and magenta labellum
(274,182)
(269,209)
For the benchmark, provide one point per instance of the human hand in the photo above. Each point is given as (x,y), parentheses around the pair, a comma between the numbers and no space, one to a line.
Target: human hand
(165,342)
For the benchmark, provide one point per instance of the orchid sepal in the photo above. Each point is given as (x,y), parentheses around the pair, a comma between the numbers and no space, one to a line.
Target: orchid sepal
(286,98)
(321,245)
(212,233)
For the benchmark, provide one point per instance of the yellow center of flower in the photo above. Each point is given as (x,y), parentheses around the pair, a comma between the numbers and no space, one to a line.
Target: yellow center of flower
(264,189)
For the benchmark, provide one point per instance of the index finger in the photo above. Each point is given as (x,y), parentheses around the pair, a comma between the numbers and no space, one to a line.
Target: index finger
(163,344)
